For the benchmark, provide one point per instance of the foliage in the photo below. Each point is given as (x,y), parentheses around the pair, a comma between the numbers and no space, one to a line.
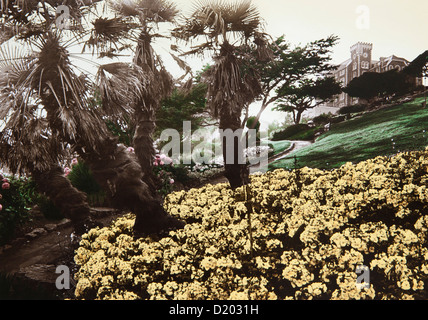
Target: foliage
(253,123)
(291,67)
(123,129)
(305,94)
(373,84)
(310,230)
(355,108)
(163,170)
(48,208)
(182,106)
(294,132)
(82,179)
(322,119)
(15,201)
(418,67)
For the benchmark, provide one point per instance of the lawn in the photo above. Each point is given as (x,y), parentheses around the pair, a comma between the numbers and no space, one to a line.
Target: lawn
(383,132)
(279,146)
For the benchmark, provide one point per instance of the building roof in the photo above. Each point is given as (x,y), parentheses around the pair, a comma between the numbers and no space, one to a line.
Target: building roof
(344,64)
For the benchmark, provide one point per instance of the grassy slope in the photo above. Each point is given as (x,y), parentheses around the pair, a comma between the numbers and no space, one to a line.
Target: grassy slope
(383,132)
(280,146)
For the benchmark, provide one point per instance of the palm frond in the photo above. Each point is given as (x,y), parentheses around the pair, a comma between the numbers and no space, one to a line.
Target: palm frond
(156,11)
(120,86)
(109,34)
(230,88)
(218,18)
(33,146)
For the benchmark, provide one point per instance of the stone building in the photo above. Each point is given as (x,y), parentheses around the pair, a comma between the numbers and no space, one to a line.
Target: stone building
(361,61)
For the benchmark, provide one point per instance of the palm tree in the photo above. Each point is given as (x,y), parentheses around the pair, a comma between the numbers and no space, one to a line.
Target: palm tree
(45,106)
(229,30)
(145,82)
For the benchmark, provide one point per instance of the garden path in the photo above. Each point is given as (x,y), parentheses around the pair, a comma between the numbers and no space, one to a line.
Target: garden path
(34,258)
(295,145)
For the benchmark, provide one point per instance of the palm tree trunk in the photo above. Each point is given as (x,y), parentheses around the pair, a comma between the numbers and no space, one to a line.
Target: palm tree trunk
(120,175)
(143,145)
(237,174)
(68,199)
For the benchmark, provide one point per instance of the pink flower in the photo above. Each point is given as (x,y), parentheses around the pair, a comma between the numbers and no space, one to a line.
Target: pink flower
(5,180)
(155,163)
(161,163)
(171,181)
(1,197)
(5,185)
(131,150)
(67,171)
(1,207)
(74,162)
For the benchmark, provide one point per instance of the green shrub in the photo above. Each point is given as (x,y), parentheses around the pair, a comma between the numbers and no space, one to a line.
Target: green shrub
(250,123)
(48,208)
(16,198)
(82,179)
(290,131)
(353,109)
(322,119)
(295,132)
(310,230)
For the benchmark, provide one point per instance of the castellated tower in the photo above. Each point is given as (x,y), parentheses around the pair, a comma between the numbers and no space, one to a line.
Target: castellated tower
(361,56)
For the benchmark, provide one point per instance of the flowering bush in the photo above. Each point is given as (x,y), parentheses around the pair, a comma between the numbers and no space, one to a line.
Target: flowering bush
(204,172)
(15,201)
(310,230)
(163,168)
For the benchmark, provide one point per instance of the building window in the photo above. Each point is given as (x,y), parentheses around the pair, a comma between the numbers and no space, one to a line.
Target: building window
(365,64)
(354,74)
(391,67)
(342,72)
(354,66)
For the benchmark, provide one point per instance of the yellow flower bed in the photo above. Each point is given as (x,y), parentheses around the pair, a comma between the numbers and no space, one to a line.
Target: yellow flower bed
(310,230)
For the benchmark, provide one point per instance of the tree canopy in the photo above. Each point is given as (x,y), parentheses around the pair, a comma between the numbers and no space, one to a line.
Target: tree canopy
(373,84)
(294,72)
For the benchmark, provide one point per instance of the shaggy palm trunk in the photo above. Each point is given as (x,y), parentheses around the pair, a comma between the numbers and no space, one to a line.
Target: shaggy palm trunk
(120,175)
(68,199)
(237,174)
(143,145)
(145,113)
